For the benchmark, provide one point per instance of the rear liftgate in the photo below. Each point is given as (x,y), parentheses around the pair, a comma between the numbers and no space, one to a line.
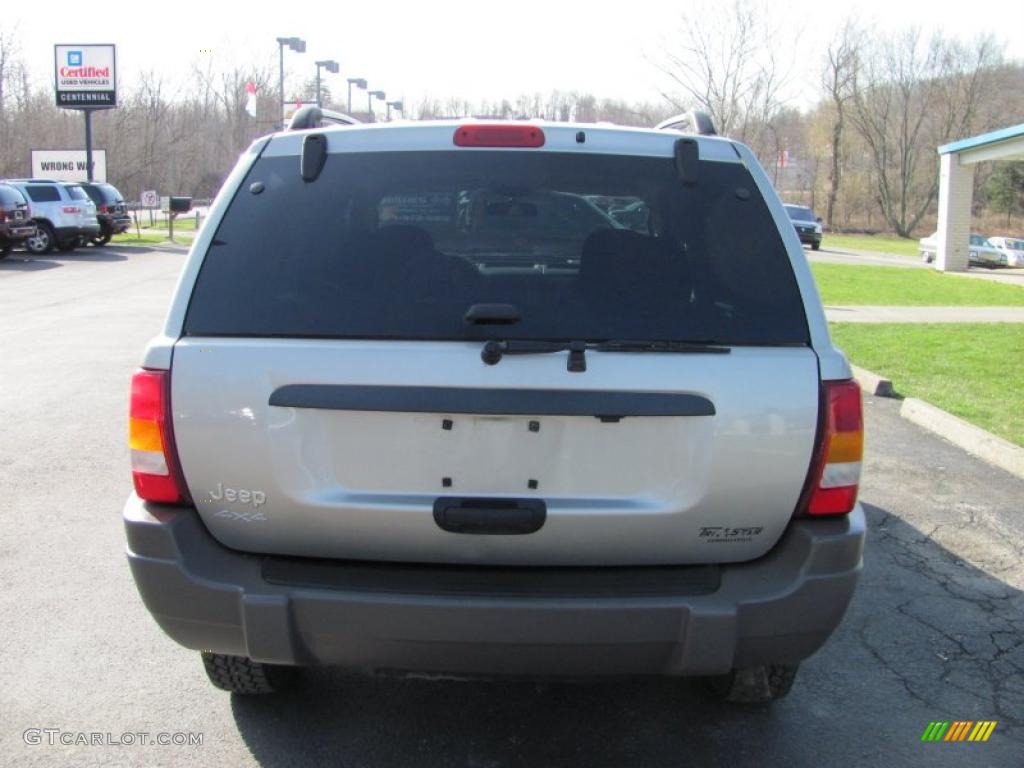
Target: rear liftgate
(488,515)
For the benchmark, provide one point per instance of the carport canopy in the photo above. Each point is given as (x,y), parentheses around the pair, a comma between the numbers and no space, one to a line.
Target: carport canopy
(956,189)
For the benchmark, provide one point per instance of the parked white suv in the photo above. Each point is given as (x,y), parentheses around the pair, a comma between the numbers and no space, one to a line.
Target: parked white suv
(448,419)
(64,215)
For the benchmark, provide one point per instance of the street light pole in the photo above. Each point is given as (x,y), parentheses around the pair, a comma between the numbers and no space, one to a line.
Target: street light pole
(398,105)
(331,66)
(359,83)
(280,82)
(370,96)
(299,46)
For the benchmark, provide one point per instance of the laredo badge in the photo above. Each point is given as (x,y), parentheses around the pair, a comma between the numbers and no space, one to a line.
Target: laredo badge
(719,534)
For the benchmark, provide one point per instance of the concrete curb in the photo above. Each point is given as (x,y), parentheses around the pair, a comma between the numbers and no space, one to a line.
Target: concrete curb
(872,383)
(972,439)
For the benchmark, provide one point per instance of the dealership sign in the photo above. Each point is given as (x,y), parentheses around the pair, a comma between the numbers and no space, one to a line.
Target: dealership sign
(68,164)
(85,76)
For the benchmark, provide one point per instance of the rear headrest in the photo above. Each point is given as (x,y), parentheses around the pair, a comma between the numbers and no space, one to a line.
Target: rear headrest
(626,260)
(398,238)
(611,242)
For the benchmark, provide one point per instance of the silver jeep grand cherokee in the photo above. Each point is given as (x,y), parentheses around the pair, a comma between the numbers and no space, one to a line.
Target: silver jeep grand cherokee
(459,414)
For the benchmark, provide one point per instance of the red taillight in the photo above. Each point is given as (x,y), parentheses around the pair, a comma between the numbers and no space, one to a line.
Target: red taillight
(3,213)
(499,135)
(104,209)
(836,470)
(151,439)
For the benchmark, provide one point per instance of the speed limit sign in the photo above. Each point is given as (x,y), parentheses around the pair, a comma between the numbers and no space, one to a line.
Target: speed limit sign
(150,199)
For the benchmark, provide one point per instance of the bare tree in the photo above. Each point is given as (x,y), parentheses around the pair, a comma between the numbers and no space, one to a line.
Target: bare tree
(911,95)
(726,60)
(12,72)
(840,74)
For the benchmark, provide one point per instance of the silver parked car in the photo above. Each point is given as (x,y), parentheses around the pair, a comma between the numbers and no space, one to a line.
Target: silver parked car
(1011,247)
(448,419)
(981,252)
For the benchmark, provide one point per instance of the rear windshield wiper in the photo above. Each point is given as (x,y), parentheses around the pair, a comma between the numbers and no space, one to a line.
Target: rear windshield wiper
(494,350)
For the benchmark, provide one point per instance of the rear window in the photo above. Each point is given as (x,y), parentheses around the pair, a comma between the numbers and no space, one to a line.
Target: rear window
(43,193)
(586,247)
(103,194)
(10,196)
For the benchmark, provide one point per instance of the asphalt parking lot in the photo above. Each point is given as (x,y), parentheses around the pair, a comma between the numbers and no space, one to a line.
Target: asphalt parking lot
(936,631)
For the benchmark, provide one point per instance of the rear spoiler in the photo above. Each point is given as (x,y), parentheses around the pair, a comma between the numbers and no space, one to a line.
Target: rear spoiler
(313,116)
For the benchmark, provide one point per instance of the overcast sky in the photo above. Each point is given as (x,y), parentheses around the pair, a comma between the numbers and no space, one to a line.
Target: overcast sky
(472,50)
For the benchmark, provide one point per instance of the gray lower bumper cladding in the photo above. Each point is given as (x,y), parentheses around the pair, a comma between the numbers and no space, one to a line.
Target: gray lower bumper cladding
(482,621)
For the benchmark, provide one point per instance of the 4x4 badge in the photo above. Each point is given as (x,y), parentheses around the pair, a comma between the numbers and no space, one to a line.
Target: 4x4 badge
(246,517)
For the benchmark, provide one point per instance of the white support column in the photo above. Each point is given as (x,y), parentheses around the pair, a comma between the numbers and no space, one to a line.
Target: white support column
(956,193)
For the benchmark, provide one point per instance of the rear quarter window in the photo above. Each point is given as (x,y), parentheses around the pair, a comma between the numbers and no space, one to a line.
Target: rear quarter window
(43,193)
(398,245)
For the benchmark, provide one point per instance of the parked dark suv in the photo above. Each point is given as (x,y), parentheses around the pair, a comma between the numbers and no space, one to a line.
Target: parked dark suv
(15,219)
(110,210)
(807,225)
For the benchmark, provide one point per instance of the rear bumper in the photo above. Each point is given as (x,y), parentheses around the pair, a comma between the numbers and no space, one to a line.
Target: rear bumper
(17,231)
(778,609)
(68,233)
(115,224)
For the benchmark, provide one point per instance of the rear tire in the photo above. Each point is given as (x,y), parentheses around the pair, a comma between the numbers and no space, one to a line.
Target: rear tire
(815,246)
(241,675)
(102,238)
(755,685)
(6,246)
(42,241)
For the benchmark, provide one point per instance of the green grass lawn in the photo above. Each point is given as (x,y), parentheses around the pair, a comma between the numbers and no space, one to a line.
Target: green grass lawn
(147,238)
(879,243)
(186,222)
(971,370)
(895,286)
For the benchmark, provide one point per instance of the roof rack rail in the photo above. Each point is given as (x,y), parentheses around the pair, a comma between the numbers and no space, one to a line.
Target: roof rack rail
(693,121)
(312,116)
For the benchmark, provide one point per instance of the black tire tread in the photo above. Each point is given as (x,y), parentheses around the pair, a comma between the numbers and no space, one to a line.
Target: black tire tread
(755,685)
(238,674)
